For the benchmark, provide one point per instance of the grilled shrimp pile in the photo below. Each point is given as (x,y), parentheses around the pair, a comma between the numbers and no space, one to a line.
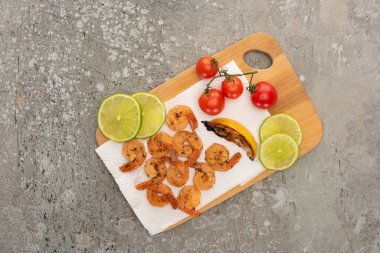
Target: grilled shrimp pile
(165,163)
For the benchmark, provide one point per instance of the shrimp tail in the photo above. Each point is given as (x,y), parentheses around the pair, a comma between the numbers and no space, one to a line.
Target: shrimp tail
(193,158)
(227,166)
(127,167)
(145,185)
(167,159)
(197,165)
(176,162)
(192,212)
(173,154)
(172,200)
(234,160)
(192,120)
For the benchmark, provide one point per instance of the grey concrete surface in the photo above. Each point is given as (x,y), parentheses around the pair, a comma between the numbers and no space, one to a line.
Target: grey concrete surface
(60,59)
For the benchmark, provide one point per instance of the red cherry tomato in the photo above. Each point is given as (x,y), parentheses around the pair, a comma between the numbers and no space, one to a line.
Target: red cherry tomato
(264,96)
(207,67)
(233,88)
(212,104)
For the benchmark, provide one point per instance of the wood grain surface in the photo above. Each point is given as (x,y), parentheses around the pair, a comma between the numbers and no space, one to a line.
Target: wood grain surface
(292,99)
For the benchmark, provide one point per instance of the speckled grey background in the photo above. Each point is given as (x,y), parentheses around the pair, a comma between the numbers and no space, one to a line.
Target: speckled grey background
(60,59)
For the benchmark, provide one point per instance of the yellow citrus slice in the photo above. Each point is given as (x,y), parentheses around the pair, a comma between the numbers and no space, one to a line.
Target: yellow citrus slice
(233,131)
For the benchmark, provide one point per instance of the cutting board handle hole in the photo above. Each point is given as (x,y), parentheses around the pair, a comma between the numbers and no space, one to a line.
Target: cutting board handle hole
(258,59)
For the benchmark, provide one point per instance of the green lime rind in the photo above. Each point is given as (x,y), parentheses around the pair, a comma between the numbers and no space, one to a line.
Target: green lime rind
(119,117)
(278,152)
(153,114)
(281,123)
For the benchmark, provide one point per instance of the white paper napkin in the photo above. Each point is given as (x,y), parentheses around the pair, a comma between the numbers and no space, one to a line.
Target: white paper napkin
(157,219)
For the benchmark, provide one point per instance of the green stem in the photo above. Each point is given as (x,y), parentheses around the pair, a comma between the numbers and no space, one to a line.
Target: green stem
(250,80)
(225,74)
(251,87)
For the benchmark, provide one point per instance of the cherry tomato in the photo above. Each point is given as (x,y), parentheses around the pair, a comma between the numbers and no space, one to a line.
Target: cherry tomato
(264,96)
(212,104)
(233,88)
(207,67)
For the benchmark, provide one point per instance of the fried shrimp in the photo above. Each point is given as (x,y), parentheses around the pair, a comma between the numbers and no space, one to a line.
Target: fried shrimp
(134,152)
(216,153)
(180,139)
(217,157)
(178,174)
(154,169)
(179,116)
(204,178)
(160,195)
(188,199)
(188,145)
(224,166)
(162,144)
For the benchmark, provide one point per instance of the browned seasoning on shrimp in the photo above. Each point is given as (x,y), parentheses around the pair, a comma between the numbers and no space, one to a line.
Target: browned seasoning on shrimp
(217,157)
(160,195)
(179,117)
(155,169)
(188,199)
(134,152)
(178,174)
(188,145)
(162,144)
(204,178)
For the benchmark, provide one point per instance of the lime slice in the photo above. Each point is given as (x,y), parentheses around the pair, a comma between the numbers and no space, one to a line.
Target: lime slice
(153,114)
(119,117)
(281,123)
(279,152)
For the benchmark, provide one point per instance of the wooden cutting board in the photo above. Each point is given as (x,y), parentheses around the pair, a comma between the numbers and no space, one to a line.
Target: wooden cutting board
(292,97)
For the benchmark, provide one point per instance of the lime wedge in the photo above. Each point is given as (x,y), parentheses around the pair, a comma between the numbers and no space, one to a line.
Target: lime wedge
(279,152)
(119,117)
(281,123)
(153,114)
